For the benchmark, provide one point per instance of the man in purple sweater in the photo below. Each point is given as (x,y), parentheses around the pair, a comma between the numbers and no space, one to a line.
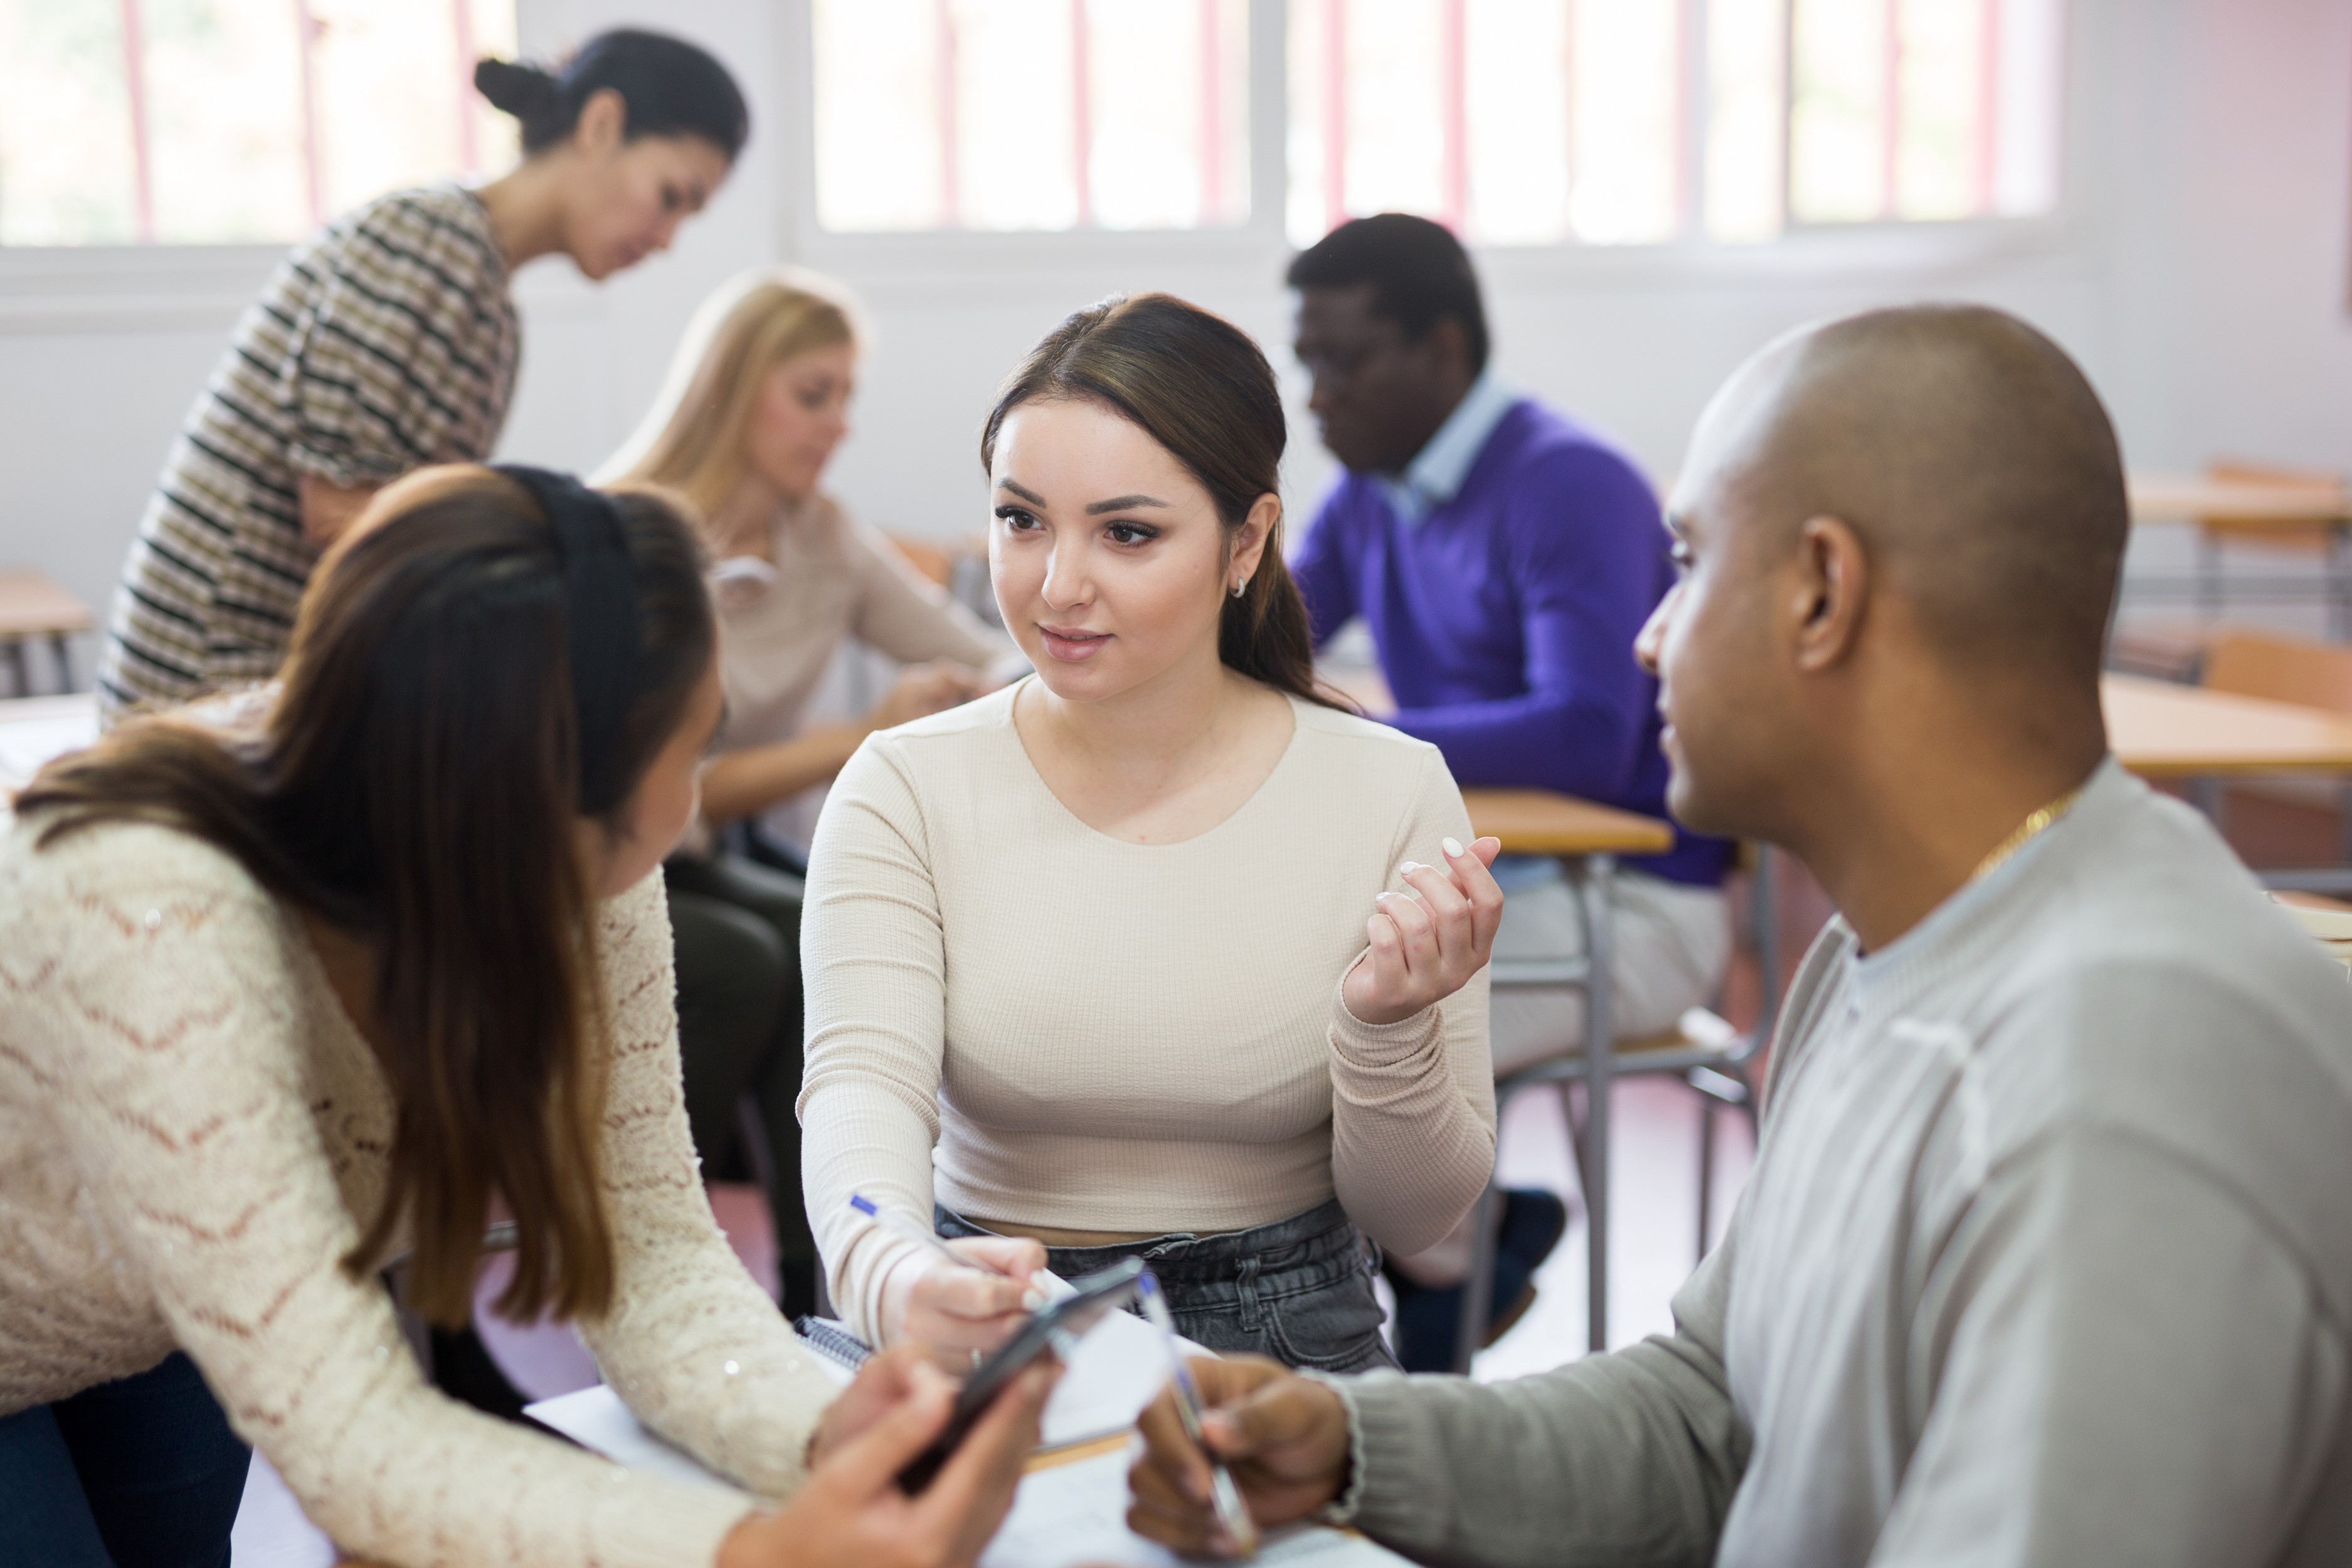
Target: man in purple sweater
(1503,557)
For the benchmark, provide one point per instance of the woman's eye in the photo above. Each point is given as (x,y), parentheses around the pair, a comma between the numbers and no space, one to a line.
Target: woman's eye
(1129,533)
(1016,519)
(671,200)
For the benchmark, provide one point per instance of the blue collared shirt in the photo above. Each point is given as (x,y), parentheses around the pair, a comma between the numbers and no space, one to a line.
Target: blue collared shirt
(1435,474)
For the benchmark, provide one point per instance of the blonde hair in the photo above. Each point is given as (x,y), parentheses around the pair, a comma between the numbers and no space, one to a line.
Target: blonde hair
(691,440)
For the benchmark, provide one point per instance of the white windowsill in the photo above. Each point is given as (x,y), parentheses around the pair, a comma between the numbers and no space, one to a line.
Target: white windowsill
(189,288)
(955,262)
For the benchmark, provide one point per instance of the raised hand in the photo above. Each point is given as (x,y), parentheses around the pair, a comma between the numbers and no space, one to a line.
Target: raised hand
(1427,942)
(1284,1436)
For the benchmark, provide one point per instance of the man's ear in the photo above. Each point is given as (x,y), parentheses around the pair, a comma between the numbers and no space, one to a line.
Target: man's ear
(1831,592)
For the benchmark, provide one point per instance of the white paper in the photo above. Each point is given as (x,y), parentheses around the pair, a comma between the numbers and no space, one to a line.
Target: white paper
(596,1419)
(39,729)
(1118,1369)
(1074,1516)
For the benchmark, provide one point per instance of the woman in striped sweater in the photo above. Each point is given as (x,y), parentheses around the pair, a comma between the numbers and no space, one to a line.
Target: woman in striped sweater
(389,342)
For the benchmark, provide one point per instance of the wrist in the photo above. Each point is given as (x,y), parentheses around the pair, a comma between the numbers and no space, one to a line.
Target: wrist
(746,1544)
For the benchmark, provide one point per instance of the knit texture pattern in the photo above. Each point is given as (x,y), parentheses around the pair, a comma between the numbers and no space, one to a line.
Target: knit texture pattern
(191,1133)
(1038,1022)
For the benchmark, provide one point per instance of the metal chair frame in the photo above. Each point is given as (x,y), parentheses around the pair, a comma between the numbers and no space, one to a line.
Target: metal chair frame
(1719,1075)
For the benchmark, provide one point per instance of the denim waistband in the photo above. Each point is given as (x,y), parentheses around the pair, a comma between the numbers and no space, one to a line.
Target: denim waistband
(1324,1235)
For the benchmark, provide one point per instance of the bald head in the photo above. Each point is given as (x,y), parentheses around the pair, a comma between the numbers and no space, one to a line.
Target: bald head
(1968,453)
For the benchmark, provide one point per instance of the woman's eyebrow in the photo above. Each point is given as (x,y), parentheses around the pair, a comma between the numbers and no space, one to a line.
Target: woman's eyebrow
(1024,491)
(1121,503)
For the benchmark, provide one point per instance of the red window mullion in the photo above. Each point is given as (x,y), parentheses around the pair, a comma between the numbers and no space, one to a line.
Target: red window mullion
(1454,130)
(1335,113)
(461,25)
(1890,114)
(951,176)
(1987,101)
(1082,127)
(1212,116)
(306,31)
(134,82)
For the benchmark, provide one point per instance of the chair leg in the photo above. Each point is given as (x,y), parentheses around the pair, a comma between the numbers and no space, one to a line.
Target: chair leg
(1478,1289)
(1706,1172)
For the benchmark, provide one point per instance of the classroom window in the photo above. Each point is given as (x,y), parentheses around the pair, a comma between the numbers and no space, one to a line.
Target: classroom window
(1635,122)
(234,121)
(1031,114)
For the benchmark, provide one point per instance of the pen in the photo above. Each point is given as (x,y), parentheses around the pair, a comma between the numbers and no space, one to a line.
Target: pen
(1045,1284)
(1223,1492)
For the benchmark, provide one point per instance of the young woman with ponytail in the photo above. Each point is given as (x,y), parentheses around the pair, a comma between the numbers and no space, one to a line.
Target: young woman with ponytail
(389,341)
(283,1003)
(1160,952)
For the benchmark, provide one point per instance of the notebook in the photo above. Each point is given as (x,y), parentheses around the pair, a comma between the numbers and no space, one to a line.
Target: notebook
(1067,1515)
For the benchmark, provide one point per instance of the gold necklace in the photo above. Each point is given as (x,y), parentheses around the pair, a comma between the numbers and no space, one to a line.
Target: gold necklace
(2026,832)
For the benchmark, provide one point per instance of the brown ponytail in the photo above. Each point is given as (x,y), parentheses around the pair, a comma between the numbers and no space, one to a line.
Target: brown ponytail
(1194,383)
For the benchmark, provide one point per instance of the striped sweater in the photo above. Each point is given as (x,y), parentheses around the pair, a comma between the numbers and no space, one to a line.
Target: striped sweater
(385,343)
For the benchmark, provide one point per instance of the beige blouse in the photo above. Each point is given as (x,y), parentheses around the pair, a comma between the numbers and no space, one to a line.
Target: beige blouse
(1033,1020)
(190,1130)
(832,578)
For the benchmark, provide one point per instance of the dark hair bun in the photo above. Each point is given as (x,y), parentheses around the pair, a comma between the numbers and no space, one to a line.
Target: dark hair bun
(524,92)
(667,88)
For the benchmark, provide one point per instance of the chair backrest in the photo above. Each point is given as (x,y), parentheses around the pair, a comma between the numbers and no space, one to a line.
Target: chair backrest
(2314,537)
(2284,669)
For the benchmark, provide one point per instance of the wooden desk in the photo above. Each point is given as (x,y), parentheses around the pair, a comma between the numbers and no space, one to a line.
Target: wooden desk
(2161,731)
(2289,508)
(1538,822)
(33,606)
(2264,510)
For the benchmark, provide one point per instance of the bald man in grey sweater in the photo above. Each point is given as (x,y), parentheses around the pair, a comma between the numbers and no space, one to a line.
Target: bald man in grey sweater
(2047,1255)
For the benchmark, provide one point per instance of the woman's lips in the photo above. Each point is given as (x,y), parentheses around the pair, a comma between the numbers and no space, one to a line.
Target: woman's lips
(1072,646)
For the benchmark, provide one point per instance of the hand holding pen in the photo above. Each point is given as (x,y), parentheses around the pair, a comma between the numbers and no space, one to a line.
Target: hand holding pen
(1224,1497)
(961,1296)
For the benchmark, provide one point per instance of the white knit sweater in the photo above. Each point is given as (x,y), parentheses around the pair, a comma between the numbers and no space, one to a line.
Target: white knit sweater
(190,1132)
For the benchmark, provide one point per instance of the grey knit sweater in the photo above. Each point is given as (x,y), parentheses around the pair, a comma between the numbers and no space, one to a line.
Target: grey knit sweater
(2046,1259)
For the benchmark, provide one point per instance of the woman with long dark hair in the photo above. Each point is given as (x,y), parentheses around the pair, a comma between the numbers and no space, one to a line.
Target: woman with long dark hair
(388,341)
(283,1003)
(1159,952)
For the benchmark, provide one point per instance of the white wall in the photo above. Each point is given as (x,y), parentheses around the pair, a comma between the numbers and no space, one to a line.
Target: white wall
(2200,271)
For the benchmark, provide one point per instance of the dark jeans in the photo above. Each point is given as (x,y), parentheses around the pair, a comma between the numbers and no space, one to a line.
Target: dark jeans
(737,925)
(140,1473)
(1299,1290)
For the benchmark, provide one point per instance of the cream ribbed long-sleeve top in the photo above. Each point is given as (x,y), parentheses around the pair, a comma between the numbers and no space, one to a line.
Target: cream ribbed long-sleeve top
(190,1127)
(1044,1025)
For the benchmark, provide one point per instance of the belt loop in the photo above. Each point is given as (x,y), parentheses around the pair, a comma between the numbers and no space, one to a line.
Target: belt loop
(1247,1286)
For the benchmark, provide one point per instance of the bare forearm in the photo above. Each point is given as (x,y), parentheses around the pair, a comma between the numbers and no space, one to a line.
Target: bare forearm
(743,783)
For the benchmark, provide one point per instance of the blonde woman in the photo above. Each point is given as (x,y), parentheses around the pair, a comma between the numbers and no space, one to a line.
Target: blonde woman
(756,402)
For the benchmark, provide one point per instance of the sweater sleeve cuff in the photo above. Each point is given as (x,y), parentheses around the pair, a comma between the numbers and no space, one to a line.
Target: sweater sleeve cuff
(1378,1045)
(1380,1435)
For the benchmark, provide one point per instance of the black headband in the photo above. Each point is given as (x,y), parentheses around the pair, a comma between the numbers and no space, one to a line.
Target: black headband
(600,591)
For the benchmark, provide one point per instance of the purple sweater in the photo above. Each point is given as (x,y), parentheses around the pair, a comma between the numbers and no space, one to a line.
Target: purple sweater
(1505,619)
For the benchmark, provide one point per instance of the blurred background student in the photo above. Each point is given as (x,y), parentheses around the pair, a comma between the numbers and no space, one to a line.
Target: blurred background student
(757,400)
(1503,556)
(389,342)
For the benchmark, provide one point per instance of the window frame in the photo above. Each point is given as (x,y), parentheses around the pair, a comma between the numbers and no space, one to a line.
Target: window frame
(929,258)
